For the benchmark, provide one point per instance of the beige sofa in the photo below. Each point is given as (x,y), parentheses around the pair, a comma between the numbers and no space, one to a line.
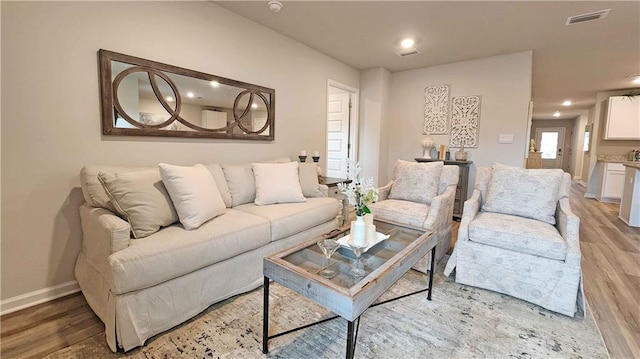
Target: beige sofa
(140,287)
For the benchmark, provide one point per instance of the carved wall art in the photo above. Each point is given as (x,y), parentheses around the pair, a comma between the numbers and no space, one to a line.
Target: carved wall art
(436,110)
(465,121)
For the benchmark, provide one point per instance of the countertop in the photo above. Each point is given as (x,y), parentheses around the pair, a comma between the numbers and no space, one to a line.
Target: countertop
(618,159)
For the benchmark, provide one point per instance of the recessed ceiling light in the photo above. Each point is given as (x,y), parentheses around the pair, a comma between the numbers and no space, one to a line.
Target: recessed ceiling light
(556,114)
(634,78)
(190,94)
(169,99)
(566,103)
(407,43)
(214,83)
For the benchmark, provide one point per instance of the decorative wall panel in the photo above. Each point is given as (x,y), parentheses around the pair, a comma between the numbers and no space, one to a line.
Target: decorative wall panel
(436,110)
(465,121)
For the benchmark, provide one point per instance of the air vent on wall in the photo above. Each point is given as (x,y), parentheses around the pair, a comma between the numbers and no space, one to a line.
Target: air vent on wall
(596,15)
(407,52)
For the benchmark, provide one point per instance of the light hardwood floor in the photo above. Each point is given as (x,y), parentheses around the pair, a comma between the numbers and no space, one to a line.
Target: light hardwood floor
(610,262)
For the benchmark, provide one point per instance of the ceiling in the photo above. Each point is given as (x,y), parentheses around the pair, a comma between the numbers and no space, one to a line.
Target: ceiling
(569,62)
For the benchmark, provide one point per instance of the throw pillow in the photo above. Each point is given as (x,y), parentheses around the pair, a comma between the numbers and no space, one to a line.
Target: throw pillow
(221,181)
(241,183)
(308,174)
(194,193)
(277,183)
(416,181)
(529,193)
(141,199)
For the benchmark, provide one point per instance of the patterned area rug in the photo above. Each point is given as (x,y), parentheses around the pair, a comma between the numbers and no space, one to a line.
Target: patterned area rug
(459,322)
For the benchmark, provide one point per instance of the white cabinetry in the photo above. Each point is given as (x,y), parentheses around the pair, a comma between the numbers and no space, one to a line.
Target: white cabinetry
(214,119)
(623,118)
(612,182)
(630,205)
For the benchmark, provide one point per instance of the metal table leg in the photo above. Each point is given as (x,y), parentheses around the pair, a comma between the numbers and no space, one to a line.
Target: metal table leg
(265,318)
(431,270)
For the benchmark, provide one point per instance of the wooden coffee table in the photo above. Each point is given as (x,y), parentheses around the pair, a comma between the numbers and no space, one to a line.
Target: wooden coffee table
(297,269)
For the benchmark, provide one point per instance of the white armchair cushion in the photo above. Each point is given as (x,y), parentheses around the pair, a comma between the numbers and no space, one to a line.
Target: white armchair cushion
(518,234)
(416,182)
(194,193)
(277,183)
(529,193)
(400,211)
(141,198)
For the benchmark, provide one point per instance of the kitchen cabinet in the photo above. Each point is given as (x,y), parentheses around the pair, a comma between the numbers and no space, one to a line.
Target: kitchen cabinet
(630,205)
(623,118)
(612,182)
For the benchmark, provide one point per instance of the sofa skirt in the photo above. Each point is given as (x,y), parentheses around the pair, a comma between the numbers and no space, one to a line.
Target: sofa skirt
(132,318)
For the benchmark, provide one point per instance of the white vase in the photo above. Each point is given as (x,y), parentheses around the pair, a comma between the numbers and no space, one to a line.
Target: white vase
(358,231)
(427,146)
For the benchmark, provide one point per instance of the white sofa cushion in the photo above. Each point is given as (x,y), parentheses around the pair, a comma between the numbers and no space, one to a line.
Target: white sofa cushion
(175,251)
(242,184)
(221,181)
(277,183)
(194,193)
(529,193)
(400,211)
(141,198)
(415,181)
(290,218)
(518,234)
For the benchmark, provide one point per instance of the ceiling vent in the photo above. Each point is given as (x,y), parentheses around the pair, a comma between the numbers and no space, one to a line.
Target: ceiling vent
(587,17)
(407,52)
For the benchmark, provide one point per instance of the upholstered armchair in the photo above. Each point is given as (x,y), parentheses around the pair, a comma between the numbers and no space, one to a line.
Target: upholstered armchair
(421,195)
(519,237)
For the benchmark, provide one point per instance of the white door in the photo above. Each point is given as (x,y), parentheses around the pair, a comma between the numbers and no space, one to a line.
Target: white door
(550,141)
(338,134)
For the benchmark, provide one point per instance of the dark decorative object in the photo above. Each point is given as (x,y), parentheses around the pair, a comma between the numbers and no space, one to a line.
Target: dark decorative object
(303,158)
(147,98)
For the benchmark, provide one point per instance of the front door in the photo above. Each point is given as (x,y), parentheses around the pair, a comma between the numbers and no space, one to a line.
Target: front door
(338,134)
(550,142)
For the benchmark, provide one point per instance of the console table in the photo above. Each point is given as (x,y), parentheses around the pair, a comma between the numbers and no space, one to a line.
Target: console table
(332,183)
(463,183)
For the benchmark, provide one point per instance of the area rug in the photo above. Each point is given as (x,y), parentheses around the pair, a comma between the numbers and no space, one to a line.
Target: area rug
(459,322)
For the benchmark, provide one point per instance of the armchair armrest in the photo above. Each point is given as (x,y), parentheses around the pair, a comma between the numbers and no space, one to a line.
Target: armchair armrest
(568,224)
(383,192)
(441,210)
(469,212)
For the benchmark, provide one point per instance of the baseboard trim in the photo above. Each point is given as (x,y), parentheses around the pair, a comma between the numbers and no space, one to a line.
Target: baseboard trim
(27,300)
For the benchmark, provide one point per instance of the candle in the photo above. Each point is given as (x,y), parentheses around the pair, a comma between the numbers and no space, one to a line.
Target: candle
(370,233)
(316,153)
(303,153)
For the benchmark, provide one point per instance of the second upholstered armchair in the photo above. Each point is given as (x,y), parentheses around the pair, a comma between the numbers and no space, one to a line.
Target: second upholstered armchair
(421,195)
(519,237)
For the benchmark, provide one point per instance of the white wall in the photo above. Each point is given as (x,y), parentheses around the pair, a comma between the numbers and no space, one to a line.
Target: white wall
(504,84)
(51,110)
(374,104)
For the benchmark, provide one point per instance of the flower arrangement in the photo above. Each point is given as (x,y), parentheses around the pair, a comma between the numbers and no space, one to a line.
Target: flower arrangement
(360,192)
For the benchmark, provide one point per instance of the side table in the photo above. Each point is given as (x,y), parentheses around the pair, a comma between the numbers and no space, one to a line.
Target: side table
(334,192)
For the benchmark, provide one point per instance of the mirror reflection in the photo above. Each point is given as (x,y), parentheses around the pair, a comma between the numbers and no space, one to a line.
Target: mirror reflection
(142,97)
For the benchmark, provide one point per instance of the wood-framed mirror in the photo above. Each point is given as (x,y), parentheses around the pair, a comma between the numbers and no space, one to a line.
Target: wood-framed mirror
(147,98)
